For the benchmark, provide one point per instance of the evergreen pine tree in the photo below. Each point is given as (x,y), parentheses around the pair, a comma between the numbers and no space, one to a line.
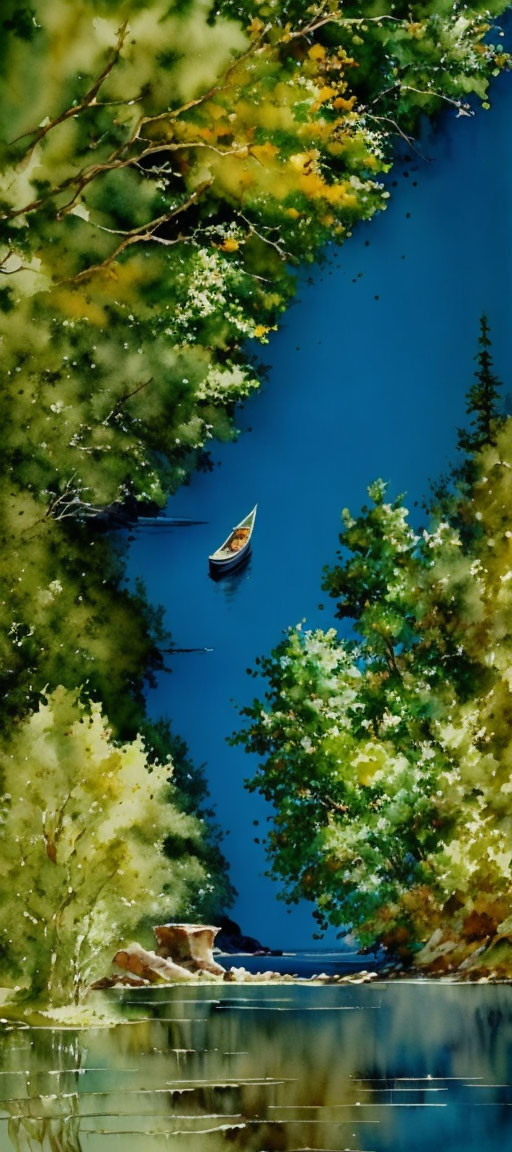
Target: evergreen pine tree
(449,494)
(482,399)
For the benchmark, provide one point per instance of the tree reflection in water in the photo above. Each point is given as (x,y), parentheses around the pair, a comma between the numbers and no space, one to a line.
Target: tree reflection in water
(39,1090)
(279,1069)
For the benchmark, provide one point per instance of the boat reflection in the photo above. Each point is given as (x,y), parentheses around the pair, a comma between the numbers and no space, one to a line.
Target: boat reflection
(230,583)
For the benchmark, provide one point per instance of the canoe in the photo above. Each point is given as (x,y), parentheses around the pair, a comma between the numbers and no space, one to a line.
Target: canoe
(235,550)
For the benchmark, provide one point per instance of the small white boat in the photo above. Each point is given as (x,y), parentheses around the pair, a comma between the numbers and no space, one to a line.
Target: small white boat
(236,548)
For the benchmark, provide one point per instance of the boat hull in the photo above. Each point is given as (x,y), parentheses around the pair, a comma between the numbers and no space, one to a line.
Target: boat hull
(227,558)
(219,567)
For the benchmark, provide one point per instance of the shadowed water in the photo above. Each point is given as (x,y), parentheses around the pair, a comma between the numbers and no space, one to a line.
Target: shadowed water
(379,1068)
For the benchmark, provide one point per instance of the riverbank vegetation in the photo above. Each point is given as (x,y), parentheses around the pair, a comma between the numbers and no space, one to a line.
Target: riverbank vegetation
(163,168)
(386,749)
(81,815)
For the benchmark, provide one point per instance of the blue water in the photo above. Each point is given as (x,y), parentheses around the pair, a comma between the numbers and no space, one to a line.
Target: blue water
(377,1068)
(314,962)
(358,387)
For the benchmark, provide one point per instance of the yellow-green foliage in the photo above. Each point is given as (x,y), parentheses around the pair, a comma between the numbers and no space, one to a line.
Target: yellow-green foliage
(160,166)
(82,823)
(389,758)
(476,857)
(129,289)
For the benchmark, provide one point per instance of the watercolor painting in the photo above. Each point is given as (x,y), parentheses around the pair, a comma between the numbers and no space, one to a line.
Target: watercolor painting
(256,576)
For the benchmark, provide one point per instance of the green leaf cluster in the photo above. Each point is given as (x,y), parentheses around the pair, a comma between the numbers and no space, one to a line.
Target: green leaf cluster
(387,753)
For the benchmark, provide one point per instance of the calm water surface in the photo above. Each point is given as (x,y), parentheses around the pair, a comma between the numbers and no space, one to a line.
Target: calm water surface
(378,1068)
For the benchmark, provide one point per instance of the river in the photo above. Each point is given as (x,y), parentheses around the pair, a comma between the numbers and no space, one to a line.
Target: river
(378,1068)
(366,378)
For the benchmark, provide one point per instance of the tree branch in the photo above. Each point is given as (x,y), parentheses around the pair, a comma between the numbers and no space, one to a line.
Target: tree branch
(265,239)
(332,18)
(123,399)
(408,140)
(143,234)
(86,102)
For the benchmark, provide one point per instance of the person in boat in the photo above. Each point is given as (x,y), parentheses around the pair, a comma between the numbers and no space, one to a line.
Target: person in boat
(238,539)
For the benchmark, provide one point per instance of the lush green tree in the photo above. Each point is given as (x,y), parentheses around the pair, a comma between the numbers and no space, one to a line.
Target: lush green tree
(346,732)
(472,864)
(83,823)
(68,619)
(386,754)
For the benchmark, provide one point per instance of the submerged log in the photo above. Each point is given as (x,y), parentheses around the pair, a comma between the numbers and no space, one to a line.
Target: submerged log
(189,945)
(149,966)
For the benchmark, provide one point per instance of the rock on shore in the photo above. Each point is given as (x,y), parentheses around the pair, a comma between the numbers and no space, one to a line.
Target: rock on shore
(189,945)
(185,954)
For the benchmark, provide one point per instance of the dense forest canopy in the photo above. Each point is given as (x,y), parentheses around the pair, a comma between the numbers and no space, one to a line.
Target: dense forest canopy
(386,751)
(162,169)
